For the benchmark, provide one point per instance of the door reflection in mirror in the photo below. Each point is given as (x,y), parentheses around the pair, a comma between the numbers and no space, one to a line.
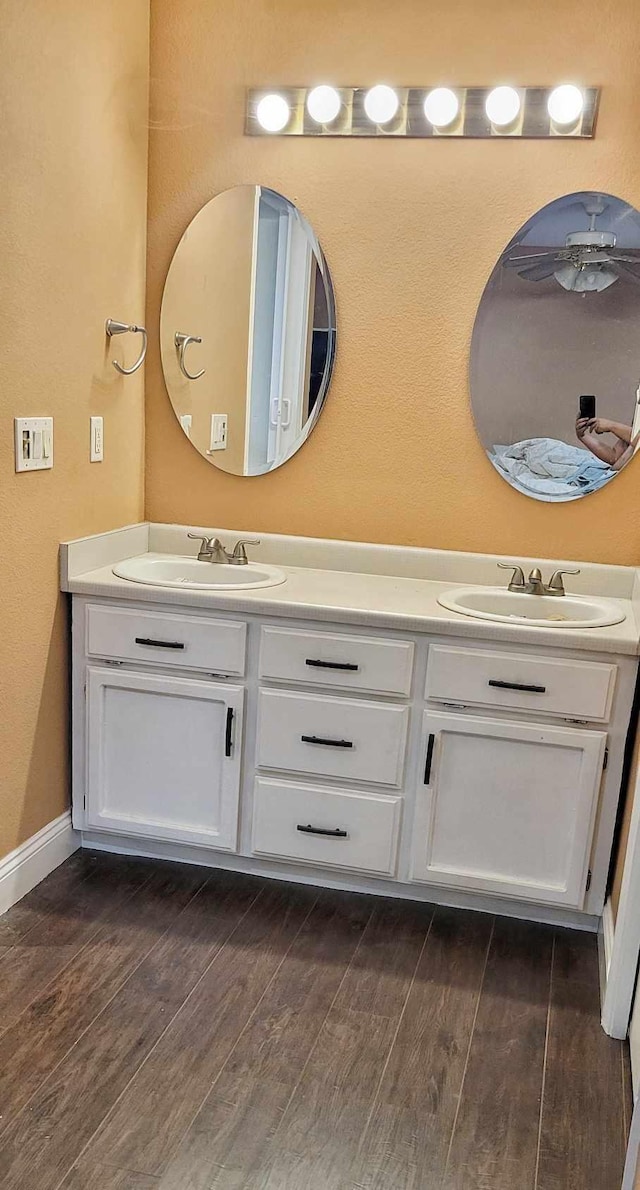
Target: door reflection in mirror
(555,353)
(251,285)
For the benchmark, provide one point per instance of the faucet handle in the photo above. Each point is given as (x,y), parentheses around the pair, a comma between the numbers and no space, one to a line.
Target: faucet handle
(517,578)
(201,537)
(556,583)
(239,554)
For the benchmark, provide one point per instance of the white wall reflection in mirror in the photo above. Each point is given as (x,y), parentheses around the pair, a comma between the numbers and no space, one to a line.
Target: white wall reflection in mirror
(247,330)
(555,353)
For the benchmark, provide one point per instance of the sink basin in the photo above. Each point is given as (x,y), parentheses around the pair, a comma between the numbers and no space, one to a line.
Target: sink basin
(171,570)
(540,611)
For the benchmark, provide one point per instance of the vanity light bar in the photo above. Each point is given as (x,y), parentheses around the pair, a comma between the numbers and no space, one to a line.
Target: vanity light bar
(423,112)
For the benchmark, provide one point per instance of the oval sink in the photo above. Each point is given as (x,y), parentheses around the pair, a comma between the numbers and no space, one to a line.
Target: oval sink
(539,611)
(172,570)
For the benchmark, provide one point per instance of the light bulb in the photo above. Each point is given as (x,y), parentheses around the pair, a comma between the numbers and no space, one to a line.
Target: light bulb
(565,104)
(273,113)
(502,106)
(381,104)
(323,104)
(441,106)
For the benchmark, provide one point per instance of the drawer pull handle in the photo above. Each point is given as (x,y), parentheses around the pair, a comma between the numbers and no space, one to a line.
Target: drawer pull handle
(344,665)
(159,644)
(317,739)
(429,759)
(522,686)
(320,830)
(228,735)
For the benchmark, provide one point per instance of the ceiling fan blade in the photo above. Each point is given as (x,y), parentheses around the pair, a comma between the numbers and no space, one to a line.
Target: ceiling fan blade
(538,272)
(515,262)
(624,272)
(613,255)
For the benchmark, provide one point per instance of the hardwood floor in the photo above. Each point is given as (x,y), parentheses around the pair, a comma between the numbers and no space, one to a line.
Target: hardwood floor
(181,1028)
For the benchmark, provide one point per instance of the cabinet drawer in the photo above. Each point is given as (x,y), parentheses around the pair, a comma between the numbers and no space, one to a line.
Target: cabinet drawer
(336,827)
(327,659)
(332,737)
(552,686)
(158,638)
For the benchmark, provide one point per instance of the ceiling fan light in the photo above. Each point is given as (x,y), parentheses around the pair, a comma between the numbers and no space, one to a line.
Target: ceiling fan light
(591,279)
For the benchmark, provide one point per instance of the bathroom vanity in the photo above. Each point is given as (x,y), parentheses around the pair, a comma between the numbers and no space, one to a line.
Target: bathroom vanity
(343,727)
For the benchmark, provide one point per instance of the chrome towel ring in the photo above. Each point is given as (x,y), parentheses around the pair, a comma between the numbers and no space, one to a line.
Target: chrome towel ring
(182,341)
(121,328)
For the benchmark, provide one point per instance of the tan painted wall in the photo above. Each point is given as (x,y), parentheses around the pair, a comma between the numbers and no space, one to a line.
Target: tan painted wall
(73,136)
(411,230)
(209,294)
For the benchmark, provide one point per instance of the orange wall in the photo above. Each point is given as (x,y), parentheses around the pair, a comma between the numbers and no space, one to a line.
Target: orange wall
(411,230)
(73,148)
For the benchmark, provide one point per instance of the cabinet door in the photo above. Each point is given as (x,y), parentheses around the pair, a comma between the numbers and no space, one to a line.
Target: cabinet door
(506,807)
(163,757)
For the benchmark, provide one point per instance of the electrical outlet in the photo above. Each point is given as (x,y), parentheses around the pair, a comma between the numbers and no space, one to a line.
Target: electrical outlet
(96,448)
(186,421)
(218,438)
(33,443)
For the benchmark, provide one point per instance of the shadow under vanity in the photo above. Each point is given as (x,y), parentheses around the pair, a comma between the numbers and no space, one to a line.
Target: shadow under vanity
(343,727)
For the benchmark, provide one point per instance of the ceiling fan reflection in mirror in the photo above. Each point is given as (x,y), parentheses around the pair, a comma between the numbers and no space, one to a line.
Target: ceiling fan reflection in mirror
(589,261)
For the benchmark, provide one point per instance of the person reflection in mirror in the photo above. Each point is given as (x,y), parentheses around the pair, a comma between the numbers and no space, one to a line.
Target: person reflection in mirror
(589,431)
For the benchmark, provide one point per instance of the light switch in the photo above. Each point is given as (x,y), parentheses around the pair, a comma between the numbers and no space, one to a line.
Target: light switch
(186,420)
(218,439)
(33,443)
(96,449)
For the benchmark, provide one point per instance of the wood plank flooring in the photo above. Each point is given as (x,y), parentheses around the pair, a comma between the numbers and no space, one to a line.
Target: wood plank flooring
(180,1028)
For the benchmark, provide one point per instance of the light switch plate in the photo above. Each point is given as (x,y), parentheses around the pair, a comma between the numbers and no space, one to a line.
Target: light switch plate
(186,421)
(218,439)
(33,443)
(96,448)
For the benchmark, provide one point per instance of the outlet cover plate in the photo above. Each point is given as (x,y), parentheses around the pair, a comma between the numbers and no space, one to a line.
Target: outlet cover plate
(96,449)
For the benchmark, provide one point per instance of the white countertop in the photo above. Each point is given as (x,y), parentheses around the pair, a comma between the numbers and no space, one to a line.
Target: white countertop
(342,596)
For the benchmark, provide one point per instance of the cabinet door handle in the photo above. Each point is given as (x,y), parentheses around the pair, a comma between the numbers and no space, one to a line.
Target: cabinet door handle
(228,735)
(522,686)
(316,739)
(429,759)
(159,644)
(345,665)
(320,830)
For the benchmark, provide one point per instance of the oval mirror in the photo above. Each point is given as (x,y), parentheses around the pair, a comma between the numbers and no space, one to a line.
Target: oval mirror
(555,352)
(247,330)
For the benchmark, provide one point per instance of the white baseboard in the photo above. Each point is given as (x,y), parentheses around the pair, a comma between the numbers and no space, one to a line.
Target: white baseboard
(25,867)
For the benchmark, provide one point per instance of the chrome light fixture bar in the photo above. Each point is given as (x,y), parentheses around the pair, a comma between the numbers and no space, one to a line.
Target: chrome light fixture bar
(562,111)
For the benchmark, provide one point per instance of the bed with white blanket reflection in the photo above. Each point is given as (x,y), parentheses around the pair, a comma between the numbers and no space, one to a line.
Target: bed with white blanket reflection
(550,469)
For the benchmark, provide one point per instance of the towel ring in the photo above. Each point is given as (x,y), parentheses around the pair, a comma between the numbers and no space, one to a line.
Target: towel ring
(182,341)
(121,328)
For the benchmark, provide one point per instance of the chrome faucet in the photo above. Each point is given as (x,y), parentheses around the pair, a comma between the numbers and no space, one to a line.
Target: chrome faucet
(212,550)
(535,585)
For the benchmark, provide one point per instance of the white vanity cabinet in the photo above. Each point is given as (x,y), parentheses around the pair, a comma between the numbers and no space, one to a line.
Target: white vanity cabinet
(436,768)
